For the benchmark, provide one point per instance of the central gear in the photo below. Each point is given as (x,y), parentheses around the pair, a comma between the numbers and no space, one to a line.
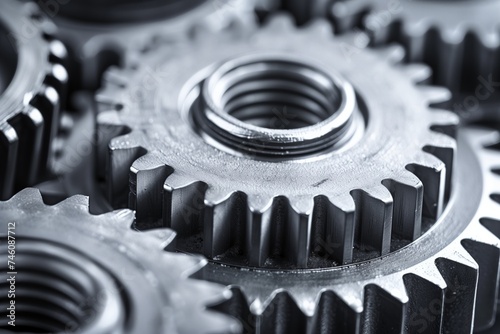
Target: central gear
(267,160)
(199,139)
(76,272)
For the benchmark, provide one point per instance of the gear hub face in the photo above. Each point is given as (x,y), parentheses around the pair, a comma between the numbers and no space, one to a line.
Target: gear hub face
(75,272)
(31,81)
(233,155)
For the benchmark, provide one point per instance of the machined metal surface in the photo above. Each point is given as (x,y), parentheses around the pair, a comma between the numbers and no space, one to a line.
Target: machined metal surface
(281,210)
(32,79)
(94,274)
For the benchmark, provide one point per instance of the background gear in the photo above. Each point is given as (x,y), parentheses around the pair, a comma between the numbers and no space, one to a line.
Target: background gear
(100,33)
(98,275)
(32,80)
(460,40)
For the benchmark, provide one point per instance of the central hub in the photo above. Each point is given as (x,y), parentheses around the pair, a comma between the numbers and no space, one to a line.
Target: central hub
(276,106)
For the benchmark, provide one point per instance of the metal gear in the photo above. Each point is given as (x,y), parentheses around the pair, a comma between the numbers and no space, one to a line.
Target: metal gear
(313,158)
(32,81)
(228,200)
(459,39)
(94,274)
(100,33)
(444,282)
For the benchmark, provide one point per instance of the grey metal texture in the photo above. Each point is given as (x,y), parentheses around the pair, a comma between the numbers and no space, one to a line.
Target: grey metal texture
(93,274)
(351,217)
(32,79)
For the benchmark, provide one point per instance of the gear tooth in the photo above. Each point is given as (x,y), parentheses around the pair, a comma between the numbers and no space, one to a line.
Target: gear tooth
(486,253)
(238,307)
(27,197)
(185,265)
(346,14)
(119,158)
(224,219)
(320,27)
(123,216)
(407,192)
(444,148)
(77,202)
(432,172)
(444,121)
(333,228)
(58,51)
(393,54)
(435,94)
(460,273)
(160,239)
(147,176)
(283,304)
(454,36)
(334,316)
(490,39)
(183,204)
(418,73)
(379,304)
(425,295)
(116,76)
(9,143)
(298,230)
(28,126)
(282,22)
(258,234)
(373,217)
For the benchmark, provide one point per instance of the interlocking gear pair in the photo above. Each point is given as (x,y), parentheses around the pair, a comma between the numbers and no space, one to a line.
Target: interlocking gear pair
(352,216)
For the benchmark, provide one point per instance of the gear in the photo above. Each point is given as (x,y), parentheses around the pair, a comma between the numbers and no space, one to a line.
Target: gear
(32,80)
(430,286)
(249,153)
(459,39)
(94,274)
(100,33)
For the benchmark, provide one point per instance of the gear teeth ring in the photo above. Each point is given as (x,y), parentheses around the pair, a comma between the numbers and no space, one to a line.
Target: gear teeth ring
(31,98)
(260,224)
(128,282)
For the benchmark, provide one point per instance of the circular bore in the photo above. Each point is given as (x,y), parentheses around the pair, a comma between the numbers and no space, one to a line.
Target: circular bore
(275,105)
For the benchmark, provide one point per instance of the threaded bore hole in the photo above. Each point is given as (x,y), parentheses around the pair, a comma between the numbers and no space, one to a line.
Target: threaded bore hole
(56,289)
(278,95)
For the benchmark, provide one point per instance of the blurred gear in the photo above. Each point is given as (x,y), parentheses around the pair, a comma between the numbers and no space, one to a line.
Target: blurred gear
(460,40)
(32,81)
(272,150)
(99,33)
(94,274)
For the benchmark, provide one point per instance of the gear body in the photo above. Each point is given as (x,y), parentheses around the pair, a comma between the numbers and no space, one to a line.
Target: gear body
(32,81)
(100,276)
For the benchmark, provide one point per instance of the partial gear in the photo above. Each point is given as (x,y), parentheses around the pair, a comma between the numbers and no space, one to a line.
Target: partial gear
(100,33)
(94,274)
(32,84)
(459,39)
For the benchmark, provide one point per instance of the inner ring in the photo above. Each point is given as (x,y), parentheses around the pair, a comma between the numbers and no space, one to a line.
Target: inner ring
(276,105)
